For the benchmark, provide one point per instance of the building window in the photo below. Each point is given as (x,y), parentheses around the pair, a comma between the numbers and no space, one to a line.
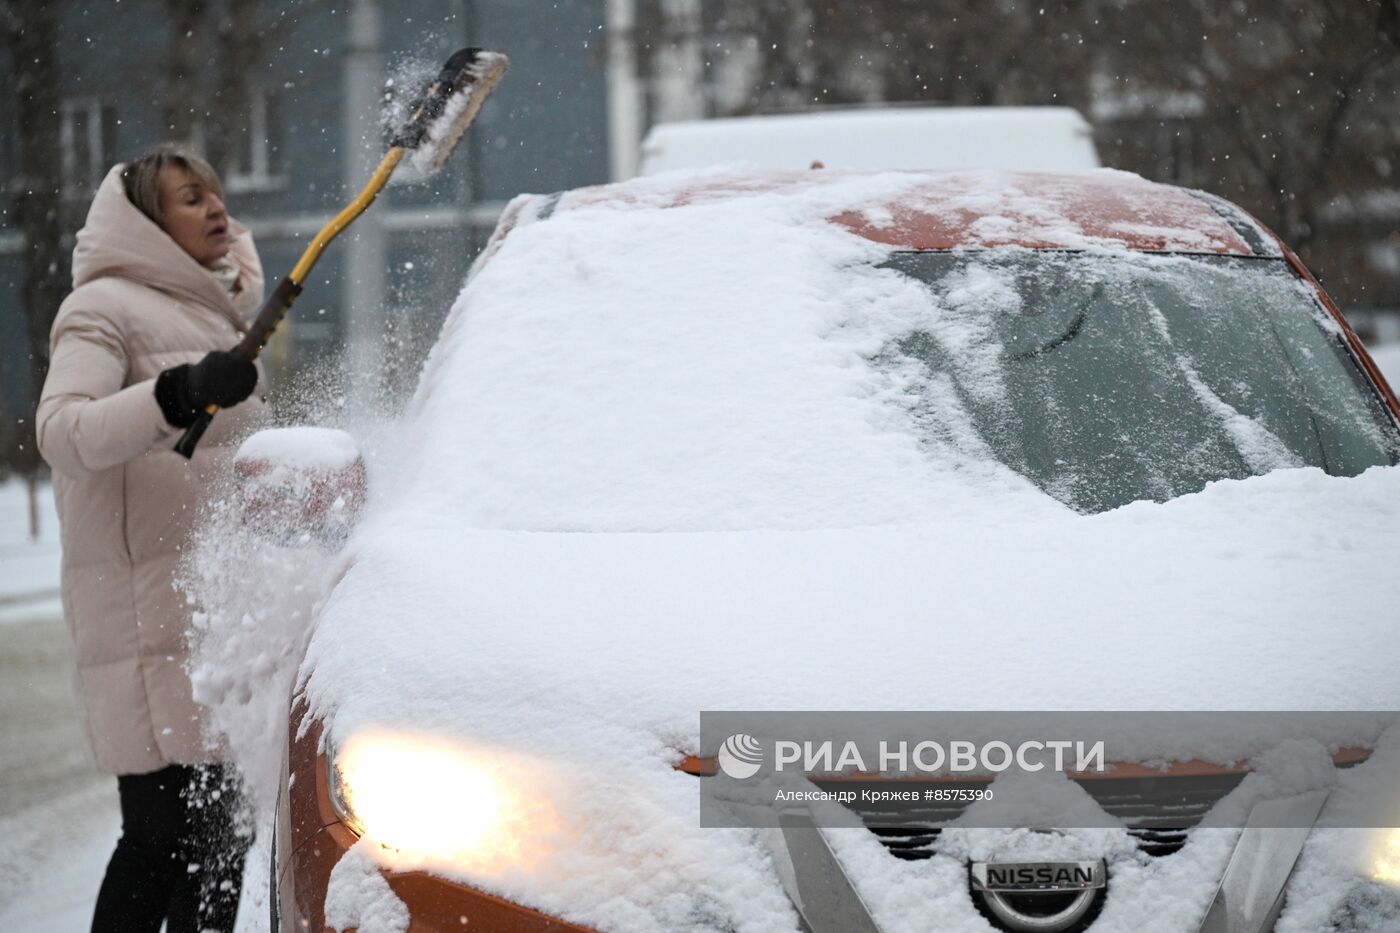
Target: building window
(258,161)
(88,143)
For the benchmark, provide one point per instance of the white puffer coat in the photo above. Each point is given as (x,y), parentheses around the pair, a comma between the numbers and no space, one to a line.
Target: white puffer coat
(126,500)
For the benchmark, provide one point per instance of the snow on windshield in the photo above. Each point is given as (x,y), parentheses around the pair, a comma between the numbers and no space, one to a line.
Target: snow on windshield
(1108,377)
(717,355)
(699,367)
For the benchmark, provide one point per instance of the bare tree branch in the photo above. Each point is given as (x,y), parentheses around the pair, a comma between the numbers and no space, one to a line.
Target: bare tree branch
(32,39)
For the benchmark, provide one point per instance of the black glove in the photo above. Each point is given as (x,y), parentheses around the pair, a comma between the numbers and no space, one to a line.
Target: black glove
(221,378)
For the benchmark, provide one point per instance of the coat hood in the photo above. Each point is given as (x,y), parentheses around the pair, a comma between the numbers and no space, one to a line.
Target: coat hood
(118,240)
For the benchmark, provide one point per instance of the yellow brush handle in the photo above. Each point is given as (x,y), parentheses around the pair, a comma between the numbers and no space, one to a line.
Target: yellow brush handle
(465,68)
(282,297)
(354,209)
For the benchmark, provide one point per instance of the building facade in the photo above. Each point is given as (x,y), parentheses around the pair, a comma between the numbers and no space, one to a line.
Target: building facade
(588,78)
(317,92)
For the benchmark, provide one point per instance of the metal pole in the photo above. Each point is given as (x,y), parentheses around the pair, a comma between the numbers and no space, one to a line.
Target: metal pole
(32,481)
(363,281)
(624,90)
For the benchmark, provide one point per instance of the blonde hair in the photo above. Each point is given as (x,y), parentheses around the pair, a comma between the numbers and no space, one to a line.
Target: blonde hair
(141,176)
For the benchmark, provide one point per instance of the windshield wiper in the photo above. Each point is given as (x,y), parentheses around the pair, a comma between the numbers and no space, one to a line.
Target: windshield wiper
(1075,326)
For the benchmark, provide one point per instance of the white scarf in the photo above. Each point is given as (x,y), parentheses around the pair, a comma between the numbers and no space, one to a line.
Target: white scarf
(227,273)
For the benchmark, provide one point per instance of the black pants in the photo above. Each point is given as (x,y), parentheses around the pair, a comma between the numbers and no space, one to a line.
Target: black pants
(179,858)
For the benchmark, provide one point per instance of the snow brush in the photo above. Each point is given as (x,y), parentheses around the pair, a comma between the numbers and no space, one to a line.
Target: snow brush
(438,120)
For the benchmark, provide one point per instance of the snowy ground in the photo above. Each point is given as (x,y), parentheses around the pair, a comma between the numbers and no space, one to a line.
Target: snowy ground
(28,568)
(58,815)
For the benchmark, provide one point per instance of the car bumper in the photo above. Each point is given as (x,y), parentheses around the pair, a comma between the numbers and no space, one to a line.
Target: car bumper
(310,838)
(434,904)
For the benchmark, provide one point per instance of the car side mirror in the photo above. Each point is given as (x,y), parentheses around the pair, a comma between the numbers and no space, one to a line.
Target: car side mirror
(301,485)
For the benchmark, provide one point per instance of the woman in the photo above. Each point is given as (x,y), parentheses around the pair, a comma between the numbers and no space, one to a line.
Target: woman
(164,281)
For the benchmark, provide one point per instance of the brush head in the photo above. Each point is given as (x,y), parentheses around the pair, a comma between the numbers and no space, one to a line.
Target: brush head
(449,105)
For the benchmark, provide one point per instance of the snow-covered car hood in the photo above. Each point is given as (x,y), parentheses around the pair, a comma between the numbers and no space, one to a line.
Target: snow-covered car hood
(581,661)
(1273,593)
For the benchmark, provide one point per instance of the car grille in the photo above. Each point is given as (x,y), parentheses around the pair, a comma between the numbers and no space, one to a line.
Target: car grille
(1161,803)
(915,843)
(912,844)
(1157,842)
(1158,812)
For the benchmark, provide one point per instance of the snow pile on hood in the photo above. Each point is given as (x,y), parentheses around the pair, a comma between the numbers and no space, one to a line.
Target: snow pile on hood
(1269,593)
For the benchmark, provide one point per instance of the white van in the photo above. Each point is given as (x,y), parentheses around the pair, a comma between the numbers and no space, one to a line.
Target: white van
(1049,139)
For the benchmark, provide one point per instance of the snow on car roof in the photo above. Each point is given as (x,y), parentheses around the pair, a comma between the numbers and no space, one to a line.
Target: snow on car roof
(1103,209)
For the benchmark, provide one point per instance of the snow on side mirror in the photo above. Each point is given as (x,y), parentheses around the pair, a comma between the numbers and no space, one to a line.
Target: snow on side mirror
(301,485)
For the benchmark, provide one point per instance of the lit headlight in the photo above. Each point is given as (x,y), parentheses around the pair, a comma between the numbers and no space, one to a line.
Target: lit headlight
(423,797)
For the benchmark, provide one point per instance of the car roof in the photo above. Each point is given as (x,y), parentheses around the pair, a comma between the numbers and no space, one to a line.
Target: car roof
(1100,209)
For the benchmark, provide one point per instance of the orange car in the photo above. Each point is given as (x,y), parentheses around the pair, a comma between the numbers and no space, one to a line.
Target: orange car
(1087,428)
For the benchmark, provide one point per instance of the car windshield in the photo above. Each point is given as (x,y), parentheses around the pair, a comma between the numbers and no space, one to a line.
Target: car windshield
(1111,378)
